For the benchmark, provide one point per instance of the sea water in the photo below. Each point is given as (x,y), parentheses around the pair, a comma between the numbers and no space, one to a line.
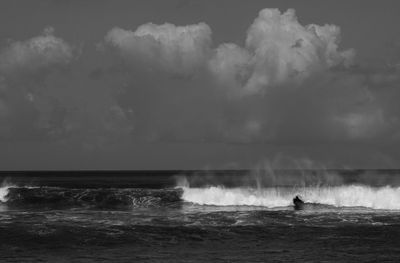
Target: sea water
(181,217)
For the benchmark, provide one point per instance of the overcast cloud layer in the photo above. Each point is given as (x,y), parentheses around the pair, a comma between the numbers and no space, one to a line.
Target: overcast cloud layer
(284,83)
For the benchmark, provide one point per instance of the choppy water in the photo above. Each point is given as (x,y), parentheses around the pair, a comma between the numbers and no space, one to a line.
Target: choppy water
(58,223)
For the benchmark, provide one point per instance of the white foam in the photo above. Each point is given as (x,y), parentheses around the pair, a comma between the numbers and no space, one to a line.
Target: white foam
(339,196)
(4,188)
(3,193)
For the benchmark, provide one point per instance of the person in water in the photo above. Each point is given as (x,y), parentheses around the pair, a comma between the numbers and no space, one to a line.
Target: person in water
(297,200)
(298,203)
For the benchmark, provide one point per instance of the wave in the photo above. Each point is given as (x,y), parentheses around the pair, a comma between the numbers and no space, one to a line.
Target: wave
(4,189)
(101,197)
(273,197)
(3,193)
(338,196)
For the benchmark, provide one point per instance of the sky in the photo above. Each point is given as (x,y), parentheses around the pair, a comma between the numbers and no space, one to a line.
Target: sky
(185,84)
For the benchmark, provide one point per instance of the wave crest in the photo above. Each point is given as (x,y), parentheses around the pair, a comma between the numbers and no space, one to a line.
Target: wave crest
(339,196)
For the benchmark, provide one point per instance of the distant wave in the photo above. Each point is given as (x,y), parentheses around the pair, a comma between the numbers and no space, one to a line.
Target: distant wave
(338,196)
(100,197)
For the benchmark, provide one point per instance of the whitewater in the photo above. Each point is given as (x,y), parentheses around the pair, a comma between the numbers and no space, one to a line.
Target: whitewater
(4,192)
(385,198)
(339,196)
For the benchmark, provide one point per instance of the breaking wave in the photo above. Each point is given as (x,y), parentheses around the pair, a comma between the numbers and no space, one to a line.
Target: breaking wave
(3,193)
(339,196)
(4,189)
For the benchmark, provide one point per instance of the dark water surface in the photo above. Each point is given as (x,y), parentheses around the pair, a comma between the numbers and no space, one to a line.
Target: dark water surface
(62,222)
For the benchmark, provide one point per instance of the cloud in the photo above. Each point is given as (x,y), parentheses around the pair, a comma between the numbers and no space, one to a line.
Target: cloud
(364,125)
(46,94)
(289,82)
(35,54)
(24,66)
(279,51)
(284,84)
(175,49)
(231,65)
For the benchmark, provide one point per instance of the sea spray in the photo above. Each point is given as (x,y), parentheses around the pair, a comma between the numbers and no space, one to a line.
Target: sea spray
(285,171)
(274,183)
(279,172)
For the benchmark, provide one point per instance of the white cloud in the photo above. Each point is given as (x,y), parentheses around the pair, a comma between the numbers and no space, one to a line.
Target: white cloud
(35,54)
(279,50)
(174,49)
(311,90)
(231,66)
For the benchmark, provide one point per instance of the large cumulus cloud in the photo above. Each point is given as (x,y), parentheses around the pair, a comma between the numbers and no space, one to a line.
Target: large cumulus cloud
(279,50)
(289,82)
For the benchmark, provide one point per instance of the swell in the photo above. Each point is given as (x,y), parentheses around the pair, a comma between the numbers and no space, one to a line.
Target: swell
(107,197)
(338,196)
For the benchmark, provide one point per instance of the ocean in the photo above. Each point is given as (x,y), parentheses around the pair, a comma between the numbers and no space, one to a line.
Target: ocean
(200,216)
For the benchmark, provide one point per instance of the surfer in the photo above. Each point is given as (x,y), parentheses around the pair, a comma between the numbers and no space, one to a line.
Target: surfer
(298,203)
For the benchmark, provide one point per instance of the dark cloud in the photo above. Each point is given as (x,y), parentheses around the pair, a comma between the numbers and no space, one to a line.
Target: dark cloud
(39,101)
